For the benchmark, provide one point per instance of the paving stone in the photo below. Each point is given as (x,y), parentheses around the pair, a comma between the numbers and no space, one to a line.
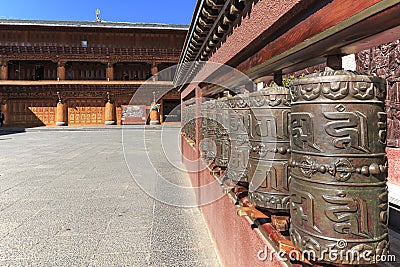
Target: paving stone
(67,198)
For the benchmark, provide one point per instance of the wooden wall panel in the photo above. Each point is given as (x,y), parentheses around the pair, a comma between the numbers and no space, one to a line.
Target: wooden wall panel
(85,112)
(31,112)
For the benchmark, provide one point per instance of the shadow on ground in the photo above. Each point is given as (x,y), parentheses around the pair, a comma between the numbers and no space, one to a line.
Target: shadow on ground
(7,131)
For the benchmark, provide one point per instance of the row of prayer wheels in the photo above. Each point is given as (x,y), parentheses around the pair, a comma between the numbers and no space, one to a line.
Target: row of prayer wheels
(316,150)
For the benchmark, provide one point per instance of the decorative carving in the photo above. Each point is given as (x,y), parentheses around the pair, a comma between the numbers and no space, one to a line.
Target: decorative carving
(346,84)
(335,90)
(268,201)
(349,128)
(341,170)
(350,214)
(383,206)
(384,61)
(302,207)
(303,131)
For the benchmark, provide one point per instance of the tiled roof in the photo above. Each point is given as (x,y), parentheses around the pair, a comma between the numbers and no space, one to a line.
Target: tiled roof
(92,24)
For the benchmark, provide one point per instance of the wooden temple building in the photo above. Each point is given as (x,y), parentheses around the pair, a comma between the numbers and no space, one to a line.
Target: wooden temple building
(266,40)
(82,73)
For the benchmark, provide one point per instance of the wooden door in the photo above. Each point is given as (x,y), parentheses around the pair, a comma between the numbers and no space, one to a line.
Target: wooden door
(85,112)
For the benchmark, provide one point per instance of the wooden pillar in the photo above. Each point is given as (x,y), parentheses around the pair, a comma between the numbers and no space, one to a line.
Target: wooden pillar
(109,114)
(154,71)
(154,111)
(61,112)
(4,70)
(110,72)
(60,70)
(61,115)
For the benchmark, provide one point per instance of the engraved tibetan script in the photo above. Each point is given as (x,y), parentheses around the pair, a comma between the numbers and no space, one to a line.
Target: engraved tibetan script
(239,158)
(303,130)
(350,215)
(276,177)
(382,118)
(264,126)
(302,206)
(350,128)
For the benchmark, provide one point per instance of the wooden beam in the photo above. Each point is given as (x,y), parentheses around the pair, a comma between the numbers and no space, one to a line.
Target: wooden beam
(315,38)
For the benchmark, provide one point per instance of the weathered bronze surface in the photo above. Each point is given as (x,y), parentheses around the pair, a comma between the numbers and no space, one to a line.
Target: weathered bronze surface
(238,123)
(221,135)
(208,129)
(339,198)
(203,131)
(269,153)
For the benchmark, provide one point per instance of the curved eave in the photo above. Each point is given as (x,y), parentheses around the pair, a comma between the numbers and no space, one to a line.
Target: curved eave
(211,22)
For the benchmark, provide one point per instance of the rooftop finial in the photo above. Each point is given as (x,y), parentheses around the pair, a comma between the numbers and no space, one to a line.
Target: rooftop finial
(97,15)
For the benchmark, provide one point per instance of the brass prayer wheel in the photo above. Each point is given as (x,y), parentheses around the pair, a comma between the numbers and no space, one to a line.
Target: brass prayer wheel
(203,131)
(209,129)
(238,123)
(339,198)
(221,134)
(269,152)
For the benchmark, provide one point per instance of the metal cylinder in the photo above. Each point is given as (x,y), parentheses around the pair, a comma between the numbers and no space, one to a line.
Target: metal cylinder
(203,131)
(221,134)
(210,129)
(339,198)
(269,153)
(238,123)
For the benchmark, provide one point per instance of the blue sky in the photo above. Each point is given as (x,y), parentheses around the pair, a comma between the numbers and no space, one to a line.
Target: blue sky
(158,11)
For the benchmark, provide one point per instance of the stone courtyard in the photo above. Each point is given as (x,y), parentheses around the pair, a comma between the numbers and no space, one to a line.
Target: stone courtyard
(67,198)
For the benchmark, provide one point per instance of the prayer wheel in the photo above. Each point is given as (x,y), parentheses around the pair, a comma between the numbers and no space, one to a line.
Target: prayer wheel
(209,128)
(339,197)
(221,134)
(269,154)
(203,130)
(238,117)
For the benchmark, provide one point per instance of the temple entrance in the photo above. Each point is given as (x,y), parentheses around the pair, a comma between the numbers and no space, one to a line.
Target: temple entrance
(31,112)
(85,112)
(171,110)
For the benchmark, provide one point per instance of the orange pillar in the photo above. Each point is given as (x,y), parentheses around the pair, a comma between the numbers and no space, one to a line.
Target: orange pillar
(60,71)
(4,70)
(61,115)
(154,114)
(110,72)
(109,114)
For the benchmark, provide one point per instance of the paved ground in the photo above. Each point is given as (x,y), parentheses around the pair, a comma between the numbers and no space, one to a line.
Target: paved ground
(67,198)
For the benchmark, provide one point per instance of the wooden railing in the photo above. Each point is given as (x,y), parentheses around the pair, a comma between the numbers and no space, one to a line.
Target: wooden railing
(12,50)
